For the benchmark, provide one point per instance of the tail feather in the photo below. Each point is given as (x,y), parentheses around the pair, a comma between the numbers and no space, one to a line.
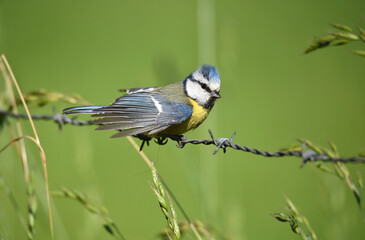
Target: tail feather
(81,110)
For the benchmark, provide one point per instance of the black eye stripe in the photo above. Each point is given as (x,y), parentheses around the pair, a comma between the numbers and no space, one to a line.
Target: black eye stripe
(203,85)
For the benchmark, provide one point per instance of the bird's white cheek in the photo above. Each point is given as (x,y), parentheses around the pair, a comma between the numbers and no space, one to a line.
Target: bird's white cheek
(195,91)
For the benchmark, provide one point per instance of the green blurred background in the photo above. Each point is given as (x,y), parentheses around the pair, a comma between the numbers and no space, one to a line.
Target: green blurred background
(271,94)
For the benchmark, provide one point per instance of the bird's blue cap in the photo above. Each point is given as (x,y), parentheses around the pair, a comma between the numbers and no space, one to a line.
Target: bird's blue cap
(210,73)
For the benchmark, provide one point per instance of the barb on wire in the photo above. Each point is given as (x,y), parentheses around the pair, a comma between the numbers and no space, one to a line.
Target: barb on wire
(306,155)
(220,143)
(60,119)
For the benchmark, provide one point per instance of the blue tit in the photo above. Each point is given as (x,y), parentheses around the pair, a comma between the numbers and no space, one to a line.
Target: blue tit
(159,111)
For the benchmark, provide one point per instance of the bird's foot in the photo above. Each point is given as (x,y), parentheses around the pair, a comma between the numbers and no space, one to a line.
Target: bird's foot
(144,139)
(178,138)
(161,140)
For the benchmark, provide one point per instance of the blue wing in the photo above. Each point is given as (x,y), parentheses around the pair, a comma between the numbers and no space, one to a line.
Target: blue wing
(137,113)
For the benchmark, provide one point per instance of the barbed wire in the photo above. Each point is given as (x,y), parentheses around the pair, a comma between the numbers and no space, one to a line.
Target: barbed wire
(220,143)
(306,155)
(60,119)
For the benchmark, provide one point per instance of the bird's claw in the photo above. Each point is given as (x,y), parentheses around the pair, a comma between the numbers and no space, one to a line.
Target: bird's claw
(161,140)
(180,139)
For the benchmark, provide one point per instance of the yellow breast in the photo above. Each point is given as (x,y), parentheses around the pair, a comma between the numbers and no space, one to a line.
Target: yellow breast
(197,117)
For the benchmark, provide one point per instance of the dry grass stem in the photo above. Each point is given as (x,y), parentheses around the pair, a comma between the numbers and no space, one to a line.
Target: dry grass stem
(150,165)
(23,153)
(141,153)
(7,71)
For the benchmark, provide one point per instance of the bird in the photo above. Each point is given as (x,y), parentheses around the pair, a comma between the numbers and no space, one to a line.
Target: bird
(154,112)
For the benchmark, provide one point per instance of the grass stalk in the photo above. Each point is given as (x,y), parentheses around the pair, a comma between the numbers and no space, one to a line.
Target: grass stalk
(9,77)
(166,205)
(150,165)
(108,224)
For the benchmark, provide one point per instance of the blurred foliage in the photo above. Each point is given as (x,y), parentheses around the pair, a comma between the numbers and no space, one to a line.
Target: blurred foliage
(345,36)
(94,208)
(298,223)
(42,97)
(29,230)
(338,169)
(185,228)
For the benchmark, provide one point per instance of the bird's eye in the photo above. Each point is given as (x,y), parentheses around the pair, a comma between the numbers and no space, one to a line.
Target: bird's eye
(204,86)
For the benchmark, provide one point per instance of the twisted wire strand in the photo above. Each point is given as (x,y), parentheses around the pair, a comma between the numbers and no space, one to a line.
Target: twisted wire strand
(220,143)
(306,155)
(60,119)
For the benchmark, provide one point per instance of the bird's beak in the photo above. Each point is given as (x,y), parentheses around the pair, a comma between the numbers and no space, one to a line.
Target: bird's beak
(216,94)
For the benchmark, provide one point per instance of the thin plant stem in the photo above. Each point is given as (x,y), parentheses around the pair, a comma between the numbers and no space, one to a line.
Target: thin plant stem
(23,153)
(150,165)
(42,153)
